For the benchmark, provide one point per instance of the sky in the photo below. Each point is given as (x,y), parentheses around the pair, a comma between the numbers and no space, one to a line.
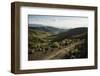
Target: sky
(64,22)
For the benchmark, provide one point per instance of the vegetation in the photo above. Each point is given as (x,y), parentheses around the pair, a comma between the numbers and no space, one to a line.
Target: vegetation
(43,44)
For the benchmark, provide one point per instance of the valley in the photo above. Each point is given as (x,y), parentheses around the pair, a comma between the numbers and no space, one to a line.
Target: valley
(45,43)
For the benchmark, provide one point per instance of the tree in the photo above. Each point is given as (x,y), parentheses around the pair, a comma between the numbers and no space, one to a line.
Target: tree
(55,45)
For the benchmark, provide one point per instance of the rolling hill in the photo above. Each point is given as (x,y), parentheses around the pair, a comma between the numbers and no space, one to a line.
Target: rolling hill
(71,33)
(46,42)
(45,28)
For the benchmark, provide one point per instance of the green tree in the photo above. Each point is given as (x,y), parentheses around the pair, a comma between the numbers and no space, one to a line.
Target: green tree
(55,45)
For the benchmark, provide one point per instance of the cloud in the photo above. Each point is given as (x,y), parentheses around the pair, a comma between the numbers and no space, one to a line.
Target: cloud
(58,21)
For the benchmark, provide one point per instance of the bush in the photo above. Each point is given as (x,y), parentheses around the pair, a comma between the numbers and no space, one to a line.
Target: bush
(55,45)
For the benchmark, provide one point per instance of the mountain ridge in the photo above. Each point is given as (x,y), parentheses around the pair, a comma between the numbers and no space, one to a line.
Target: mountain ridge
(46,28)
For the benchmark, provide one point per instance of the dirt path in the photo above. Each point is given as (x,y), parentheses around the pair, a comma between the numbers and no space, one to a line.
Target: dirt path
(62,52)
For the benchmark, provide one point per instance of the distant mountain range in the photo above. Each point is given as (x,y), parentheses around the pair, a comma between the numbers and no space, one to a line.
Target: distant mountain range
(50,29)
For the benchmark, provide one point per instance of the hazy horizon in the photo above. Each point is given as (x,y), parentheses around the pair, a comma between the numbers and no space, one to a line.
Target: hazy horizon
(63,22)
